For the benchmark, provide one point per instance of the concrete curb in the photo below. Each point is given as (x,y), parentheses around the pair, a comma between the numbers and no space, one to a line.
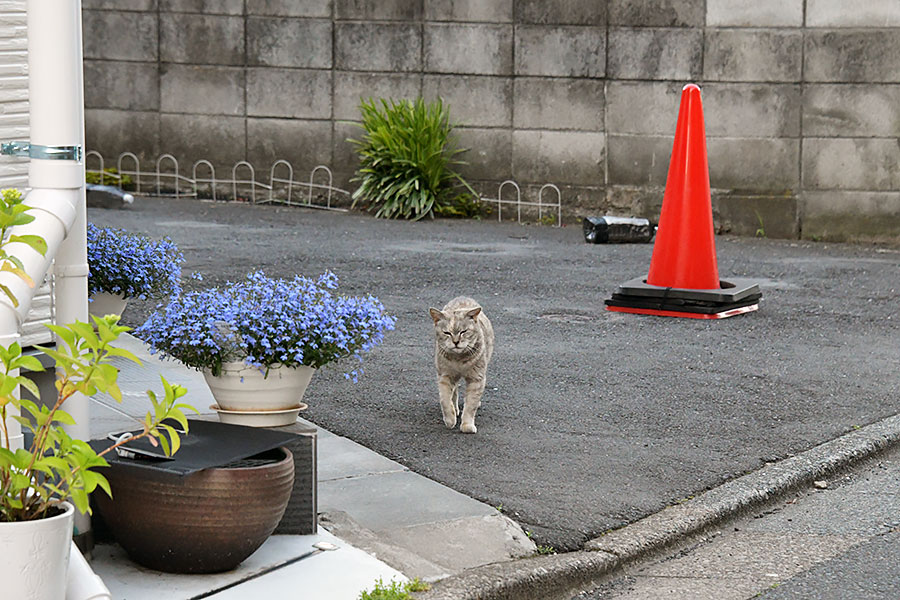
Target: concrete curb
(562,576)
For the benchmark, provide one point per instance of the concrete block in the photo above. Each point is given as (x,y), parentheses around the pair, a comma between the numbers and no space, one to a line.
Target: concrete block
(578,201)
(304,144)
(757,55)
(497,11)
(126,85)
(284,42)
(391,10)
(754,163)
(574,157)
(767,216)
(111,132)
(839,13)
(201,39)
(642,107)
(119,4)
(656,13)
(639,160)
(552,103)
(851,164)
(761,13)
(473,100)
(345,161)
(630,201)
(351,88)
(289,8)
(560,51)
(853,56)
(655,53)
(378,47)
(751,110)
(560,12)
(851,110)
(201,90)
(206,7)
(120,35)
(289,93)
(488,153)
(851,216)
(468,49)
(189,138)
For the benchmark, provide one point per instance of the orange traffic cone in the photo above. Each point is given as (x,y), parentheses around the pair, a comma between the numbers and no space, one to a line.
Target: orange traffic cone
(683,280)
(684,254)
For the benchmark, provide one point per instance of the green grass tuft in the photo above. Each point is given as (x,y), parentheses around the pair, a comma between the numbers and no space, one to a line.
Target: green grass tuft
(406,159)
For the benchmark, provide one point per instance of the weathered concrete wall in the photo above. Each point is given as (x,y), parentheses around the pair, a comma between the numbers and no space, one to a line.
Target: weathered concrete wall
(801,96)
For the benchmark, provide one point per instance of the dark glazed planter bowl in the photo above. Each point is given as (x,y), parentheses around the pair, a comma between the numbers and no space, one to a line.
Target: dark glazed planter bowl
(206,522)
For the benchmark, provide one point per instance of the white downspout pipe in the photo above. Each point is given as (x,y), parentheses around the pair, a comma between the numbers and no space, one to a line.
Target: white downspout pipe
(56,111)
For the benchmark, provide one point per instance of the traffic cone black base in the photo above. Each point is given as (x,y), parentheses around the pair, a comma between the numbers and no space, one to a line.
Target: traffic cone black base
(728,300)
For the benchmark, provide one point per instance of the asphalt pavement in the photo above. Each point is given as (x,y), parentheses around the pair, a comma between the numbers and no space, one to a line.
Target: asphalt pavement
(591,419)
(838,540)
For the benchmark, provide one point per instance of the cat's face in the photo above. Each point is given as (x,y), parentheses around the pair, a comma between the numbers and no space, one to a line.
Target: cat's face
(456,332)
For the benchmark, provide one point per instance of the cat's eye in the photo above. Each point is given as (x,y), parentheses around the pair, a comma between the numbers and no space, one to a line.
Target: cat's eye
(446,333)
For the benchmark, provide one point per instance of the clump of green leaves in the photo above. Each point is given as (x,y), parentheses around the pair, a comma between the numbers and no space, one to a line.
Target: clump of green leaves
(109,176)
(394,590)
(406,158)
(463,206)
(57,467)
(13,213)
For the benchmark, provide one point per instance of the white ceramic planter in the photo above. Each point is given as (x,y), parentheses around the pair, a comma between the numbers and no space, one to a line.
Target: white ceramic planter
(103,304)
(34,556)
(245,389)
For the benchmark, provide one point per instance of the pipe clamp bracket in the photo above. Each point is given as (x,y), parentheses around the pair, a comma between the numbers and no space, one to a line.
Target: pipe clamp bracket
(39,151)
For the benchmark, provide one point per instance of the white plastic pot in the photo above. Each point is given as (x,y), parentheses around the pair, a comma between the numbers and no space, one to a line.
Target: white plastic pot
(103,304)
(240,388)
(34,556)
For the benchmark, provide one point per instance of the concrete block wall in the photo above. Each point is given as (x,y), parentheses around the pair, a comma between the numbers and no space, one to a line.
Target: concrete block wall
(800,95)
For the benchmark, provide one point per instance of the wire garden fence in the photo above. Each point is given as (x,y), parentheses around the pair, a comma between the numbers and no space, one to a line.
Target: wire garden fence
(282,186)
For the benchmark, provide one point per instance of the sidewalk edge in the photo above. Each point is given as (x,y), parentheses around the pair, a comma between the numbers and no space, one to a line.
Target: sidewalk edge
(561,576)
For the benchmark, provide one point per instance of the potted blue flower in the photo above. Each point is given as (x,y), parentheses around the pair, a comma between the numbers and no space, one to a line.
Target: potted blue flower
(125,265)
(259,340)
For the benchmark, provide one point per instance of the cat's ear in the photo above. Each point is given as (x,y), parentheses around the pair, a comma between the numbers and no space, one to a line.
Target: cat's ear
(436,314)
(473,313)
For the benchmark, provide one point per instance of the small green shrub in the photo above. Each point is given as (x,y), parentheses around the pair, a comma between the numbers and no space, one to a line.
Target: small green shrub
(394,590)
(110,177)
(406,158)
(463,206)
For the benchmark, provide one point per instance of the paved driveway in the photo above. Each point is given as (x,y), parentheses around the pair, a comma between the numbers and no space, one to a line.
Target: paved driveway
(591,419)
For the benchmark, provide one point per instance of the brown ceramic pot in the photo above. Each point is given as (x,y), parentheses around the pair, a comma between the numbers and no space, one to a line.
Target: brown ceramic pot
(206,522)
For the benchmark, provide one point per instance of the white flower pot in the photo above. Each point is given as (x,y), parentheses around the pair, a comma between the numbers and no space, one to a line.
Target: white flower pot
(103,304)
(34,556)
(241,388)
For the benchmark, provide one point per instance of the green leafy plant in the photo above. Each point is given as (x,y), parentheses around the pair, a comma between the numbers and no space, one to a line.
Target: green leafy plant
(57,467)
(463,206)
(394,590)
(109,176)
(406,158)
(13,213)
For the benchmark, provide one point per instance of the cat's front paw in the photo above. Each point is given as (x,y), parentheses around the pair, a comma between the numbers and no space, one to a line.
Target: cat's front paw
(468,428)
(450,421)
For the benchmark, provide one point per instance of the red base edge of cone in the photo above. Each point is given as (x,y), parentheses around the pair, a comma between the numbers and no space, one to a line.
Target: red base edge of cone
(674,313)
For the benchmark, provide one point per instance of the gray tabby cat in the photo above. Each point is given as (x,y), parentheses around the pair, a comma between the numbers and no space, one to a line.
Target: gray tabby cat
(464,342)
